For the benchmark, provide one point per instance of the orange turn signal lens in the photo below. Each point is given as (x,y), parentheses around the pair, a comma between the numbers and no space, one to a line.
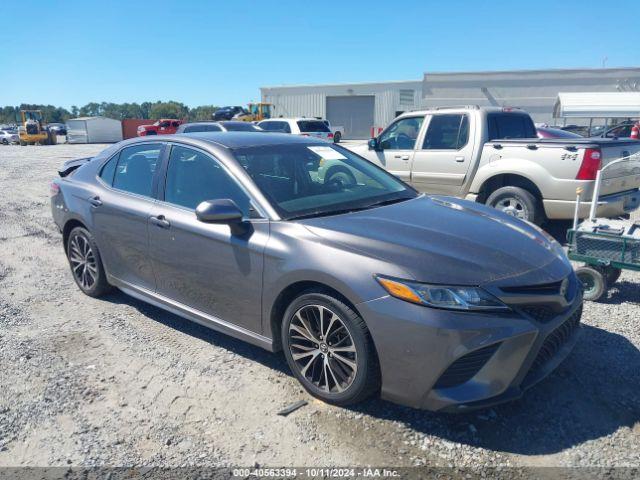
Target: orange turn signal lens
(399,290)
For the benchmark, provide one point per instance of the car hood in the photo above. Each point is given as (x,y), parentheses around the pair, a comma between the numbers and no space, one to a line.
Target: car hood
(447,241)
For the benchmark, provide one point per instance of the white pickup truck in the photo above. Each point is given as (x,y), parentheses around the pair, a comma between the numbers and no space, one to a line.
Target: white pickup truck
(491,155)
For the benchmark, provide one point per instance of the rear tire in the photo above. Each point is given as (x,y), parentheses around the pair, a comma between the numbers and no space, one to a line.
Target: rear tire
(337,137)
(329,349)
(594,283)
(86,263)
(517,202)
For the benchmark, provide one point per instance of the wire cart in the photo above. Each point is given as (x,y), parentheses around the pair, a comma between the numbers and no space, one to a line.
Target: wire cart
(605,246)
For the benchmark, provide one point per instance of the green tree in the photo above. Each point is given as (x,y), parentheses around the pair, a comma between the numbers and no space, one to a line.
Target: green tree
(169,109)
(203,112)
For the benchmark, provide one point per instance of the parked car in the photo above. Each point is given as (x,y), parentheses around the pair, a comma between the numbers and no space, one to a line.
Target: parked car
(622,130)
(337,130)
(547,132)
(437,303)
(164,126)
(58,128)
(9,136)
(492,156)
(225,126)
(582,130)
(227,113)
(308,127)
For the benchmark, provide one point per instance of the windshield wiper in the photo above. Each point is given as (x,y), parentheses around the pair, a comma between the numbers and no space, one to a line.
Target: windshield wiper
(387,202)
(328,213)
(348,210)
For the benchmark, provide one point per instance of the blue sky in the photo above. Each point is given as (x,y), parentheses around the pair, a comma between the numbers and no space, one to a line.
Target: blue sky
(209,52)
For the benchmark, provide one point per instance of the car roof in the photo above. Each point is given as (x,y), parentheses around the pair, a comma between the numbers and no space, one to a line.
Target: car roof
(231,122)
(293,119)
(247,139)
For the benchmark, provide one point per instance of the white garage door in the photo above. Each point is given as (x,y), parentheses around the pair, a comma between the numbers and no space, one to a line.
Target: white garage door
(355,113)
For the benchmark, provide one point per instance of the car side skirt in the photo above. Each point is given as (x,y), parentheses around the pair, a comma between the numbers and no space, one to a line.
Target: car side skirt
(192,314)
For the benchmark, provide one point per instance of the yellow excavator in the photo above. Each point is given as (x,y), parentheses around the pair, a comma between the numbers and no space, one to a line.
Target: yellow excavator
(255,113)
(33,130)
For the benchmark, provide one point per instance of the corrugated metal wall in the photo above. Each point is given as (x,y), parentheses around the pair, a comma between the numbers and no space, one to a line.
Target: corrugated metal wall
(310,101)
(298,105)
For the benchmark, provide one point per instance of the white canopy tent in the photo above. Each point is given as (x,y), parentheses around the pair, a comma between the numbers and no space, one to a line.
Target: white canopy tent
(597,105)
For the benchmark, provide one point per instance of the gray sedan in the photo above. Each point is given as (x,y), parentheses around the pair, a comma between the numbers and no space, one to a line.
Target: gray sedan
(298,245)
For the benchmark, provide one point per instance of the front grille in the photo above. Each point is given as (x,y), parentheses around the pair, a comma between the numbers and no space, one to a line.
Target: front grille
(545,306)
(466,367)
(556,340)
(540,313)
(540,289)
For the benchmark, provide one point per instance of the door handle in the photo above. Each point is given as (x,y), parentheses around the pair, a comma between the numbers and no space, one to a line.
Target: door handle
(402,157)
(95,201)
(459,159)
(160,221)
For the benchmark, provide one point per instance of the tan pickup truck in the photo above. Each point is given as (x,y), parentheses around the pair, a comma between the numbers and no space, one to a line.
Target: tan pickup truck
(491,155)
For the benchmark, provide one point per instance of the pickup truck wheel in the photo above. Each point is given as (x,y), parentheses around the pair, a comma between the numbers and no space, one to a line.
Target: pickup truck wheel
(337,137)
(517,202)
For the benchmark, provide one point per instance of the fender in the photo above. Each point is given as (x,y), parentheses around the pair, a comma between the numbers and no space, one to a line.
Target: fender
(532,171)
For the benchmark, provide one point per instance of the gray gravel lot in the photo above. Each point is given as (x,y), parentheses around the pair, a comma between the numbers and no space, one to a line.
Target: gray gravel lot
(115,381)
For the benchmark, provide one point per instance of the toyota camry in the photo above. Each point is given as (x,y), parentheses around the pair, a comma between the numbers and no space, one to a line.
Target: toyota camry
(295,244)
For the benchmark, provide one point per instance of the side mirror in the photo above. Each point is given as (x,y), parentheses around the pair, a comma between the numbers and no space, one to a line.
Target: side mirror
(223,211)
(374,144)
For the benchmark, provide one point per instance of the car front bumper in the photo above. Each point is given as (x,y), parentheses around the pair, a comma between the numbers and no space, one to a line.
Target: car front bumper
(417,346)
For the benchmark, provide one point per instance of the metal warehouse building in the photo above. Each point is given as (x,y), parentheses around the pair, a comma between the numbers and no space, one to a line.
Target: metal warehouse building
(360,106)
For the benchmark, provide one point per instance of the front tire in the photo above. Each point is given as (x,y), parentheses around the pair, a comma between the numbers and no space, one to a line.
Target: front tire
(86,263)
(329,349)
(517,202)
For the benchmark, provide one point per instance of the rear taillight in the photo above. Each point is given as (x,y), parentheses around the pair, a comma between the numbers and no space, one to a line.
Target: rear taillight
(591,163)
(330,135)
(54,189)
(305,134)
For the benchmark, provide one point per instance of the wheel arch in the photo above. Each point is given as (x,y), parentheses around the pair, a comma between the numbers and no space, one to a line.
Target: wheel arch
(500,180)
(288,294)
(68,226)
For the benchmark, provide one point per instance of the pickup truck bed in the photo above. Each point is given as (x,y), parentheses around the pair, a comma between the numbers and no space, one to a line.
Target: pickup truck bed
(554,167)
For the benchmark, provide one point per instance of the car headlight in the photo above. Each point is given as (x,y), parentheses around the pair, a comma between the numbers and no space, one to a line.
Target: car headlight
(441,296)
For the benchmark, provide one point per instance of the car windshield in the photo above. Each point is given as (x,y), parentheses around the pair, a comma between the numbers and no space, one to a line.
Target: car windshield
(305,180)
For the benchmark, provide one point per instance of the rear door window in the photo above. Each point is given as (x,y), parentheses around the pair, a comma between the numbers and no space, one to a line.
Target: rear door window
(312,126)
(510,125)
(275,127)
(202,128)
(136,167)
(447,132)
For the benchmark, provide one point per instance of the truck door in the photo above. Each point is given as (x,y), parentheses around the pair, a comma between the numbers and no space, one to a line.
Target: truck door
(440,164)
(397,145)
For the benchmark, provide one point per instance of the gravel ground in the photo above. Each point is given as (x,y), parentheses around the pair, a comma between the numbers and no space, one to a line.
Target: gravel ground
(118,382)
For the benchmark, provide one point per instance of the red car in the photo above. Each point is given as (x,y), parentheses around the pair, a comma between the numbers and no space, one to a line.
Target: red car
(164,126)
(548,132)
